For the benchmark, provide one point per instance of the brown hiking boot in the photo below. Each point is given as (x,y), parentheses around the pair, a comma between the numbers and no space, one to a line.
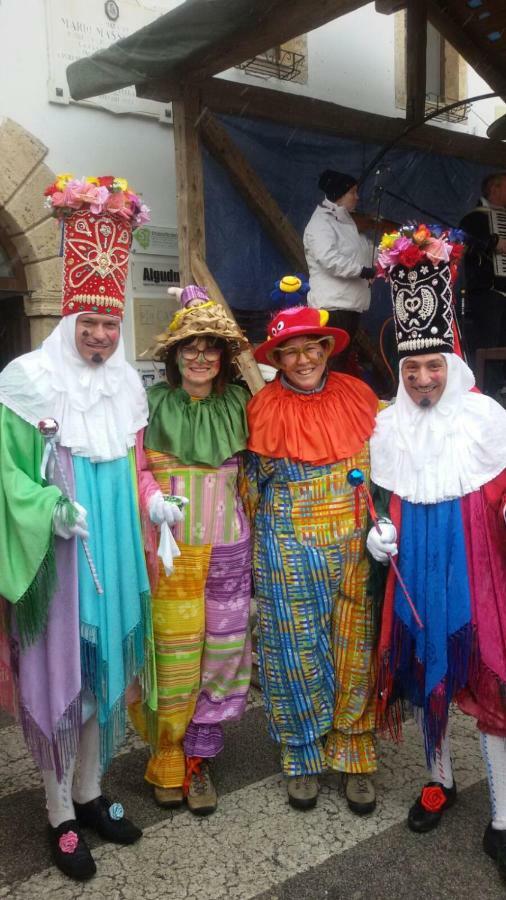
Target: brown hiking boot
(200,791)
(302,791)
(168,798)
(360,794)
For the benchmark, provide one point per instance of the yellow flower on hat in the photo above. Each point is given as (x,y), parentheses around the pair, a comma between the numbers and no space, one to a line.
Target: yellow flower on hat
(120,184)
(92,180)
(324,316)
(63,180)
(388,240)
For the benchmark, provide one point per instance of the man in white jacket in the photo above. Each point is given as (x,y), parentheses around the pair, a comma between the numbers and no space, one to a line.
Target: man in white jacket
(338,257)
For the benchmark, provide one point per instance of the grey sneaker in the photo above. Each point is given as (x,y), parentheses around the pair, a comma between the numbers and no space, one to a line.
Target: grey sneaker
(360,794)
(201,796)
(302,791)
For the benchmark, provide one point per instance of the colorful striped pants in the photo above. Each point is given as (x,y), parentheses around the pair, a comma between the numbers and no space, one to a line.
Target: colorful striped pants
(203,655)
(317,665)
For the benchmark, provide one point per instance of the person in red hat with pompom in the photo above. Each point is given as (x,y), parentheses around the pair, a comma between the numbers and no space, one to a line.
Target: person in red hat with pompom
(308,429)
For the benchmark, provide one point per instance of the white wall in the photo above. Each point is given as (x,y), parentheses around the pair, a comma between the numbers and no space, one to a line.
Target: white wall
(351,62)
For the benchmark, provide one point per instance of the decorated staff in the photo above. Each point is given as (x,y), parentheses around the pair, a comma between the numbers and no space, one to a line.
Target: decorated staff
(49,429)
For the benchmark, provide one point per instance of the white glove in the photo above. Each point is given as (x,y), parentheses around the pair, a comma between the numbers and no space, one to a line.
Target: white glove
(69,520)
(382,545)
(161,510)
(167,548)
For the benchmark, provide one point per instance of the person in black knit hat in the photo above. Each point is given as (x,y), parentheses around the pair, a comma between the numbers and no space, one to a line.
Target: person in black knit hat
(338,257)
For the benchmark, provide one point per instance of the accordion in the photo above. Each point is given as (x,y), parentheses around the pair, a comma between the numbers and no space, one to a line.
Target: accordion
(497,219)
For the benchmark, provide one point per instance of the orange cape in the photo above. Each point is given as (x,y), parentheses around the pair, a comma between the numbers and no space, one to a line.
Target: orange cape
(314,428)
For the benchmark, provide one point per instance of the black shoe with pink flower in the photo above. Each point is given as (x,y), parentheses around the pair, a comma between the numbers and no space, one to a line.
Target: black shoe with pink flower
(70,851)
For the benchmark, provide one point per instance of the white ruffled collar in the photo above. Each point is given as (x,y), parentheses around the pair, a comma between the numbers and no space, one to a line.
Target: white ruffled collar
(99,409)
(441,453)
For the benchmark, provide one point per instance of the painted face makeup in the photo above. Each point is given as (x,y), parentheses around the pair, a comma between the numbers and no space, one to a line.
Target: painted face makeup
(199,364)
(97,337)
(303,360)
(424,378)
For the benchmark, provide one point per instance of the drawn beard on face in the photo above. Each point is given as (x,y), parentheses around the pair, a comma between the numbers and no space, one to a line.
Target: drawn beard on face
(425,402)
(97,358)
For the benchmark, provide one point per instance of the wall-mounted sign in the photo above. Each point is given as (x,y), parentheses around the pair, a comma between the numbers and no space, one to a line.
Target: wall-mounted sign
(154,275)
(155,240)
(78,28)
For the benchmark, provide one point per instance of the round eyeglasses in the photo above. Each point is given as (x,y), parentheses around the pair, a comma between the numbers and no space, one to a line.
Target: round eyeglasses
(209,354)
(315,351)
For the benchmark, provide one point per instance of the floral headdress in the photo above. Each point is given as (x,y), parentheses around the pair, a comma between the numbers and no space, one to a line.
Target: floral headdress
(106,194)
(413,244)
(421,263)
(97,217)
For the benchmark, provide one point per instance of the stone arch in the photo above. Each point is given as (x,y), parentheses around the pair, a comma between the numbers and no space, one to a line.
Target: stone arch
(29,225)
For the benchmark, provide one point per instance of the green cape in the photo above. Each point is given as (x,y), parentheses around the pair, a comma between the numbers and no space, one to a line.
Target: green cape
(205,432)
(27,567)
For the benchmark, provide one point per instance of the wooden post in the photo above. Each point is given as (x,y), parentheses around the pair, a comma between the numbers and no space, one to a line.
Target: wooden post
(416,59)
(189,179)
(245,360)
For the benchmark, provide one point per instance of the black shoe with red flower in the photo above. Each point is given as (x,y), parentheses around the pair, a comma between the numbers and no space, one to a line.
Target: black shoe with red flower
(70,851)
(434,800)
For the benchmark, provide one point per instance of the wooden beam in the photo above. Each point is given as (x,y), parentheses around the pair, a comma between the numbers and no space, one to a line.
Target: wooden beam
(416,59)
(250,185)
(230,98)
(447,23)
(189,180)
(246,361)
(387,7)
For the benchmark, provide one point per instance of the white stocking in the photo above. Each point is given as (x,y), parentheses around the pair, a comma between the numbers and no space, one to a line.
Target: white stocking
(494,754)
(58,795)
(88,769)
(441,769)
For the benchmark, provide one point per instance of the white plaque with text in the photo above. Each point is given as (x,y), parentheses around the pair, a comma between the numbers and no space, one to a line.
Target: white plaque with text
(78,28)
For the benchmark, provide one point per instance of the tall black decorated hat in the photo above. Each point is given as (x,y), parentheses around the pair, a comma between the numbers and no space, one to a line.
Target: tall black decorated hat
(421,264)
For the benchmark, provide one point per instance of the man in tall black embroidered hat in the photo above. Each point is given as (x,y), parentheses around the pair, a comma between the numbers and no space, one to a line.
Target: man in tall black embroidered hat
(437,463)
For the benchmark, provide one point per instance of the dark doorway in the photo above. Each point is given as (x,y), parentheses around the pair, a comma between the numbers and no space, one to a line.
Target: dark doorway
(14,328)
(14,324)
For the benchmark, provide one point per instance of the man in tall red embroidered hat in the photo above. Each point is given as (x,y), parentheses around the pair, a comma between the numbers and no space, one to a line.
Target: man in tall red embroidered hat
(438,458)
(73,573)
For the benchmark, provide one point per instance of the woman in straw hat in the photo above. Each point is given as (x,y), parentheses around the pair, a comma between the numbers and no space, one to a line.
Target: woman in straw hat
(308,429)
(197,429)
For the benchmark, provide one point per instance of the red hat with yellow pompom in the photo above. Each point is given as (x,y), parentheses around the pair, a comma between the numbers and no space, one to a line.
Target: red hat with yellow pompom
(294,322)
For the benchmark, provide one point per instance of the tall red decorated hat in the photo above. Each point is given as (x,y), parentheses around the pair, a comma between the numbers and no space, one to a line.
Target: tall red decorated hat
(98,216)
(296,321)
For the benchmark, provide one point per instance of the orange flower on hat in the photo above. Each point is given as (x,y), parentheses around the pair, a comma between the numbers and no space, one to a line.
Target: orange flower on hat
(421,235)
